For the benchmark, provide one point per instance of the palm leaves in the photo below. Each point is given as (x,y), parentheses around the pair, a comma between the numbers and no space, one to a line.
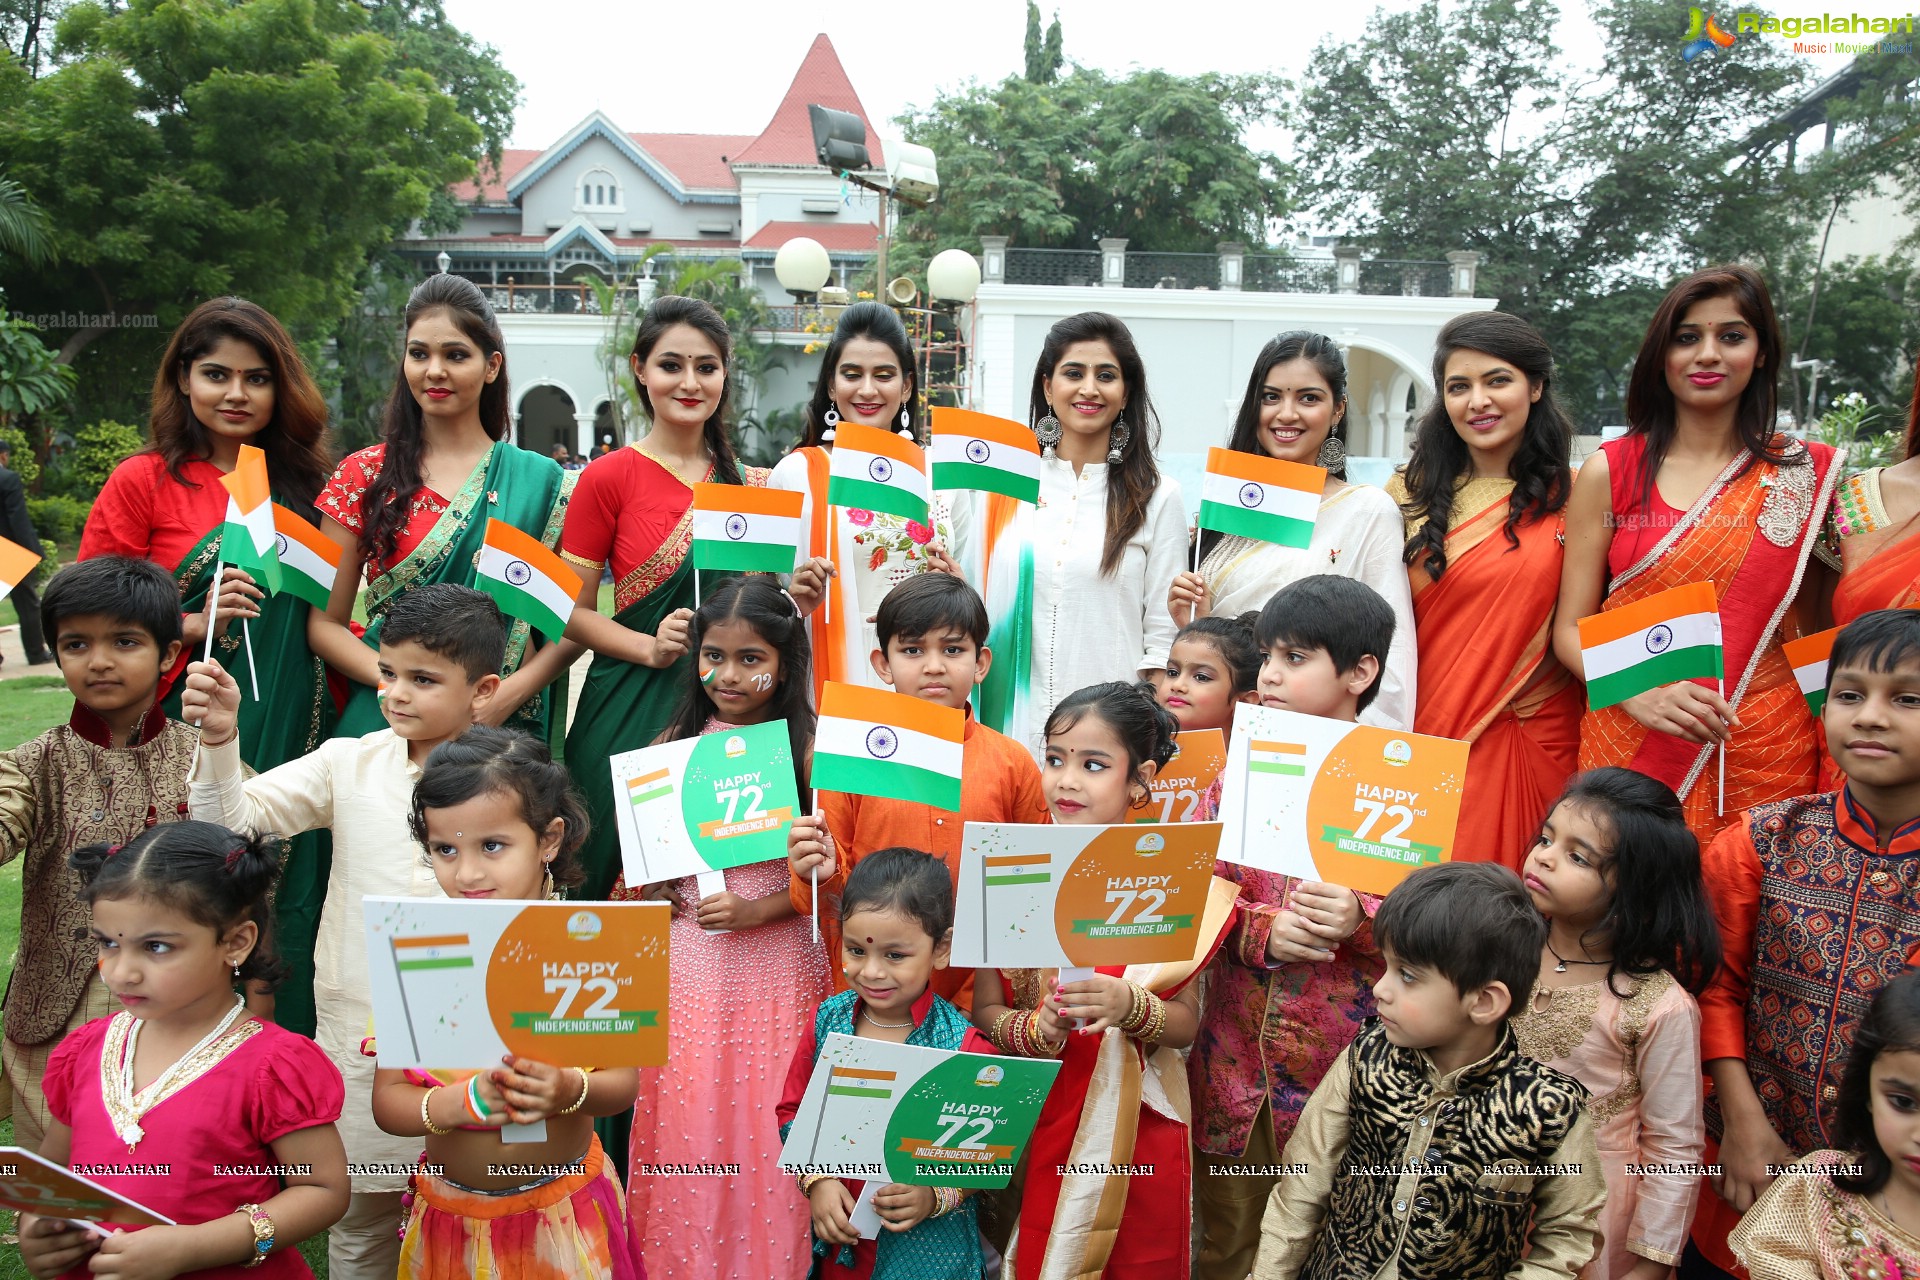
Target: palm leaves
(24,229)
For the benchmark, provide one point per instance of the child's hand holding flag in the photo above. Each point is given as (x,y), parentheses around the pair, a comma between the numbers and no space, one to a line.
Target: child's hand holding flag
(210,698)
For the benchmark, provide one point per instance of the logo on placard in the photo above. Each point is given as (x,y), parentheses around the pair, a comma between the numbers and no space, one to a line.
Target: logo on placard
(280,545)
(1150,844)
(583,926)
(978,451)
(880,469)
(736,747)
(1251,494)
(1660,639)
(1399,752)
(519,572)
(736,527)
(990,1076)
(882,741)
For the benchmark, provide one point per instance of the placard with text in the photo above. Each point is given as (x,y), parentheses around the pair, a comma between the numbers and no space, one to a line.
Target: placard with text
(31,1184)
(457,984)
(705,804)
(1350,804)
(1177,790)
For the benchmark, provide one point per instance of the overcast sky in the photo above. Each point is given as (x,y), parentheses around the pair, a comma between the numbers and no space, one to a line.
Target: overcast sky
(721,68)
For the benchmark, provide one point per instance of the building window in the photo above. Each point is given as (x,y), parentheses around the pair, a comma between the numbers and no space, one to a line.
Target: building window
(598,192)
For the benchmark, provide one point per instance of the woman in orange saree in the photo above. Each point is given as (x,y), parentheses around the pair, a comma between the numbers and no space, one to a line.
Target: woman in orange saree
(1702,489)
(1482,496)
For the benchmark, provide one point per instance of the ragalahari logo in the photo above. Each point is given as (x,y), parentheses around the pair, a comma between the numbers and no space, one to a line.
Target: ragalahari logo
(1703,35)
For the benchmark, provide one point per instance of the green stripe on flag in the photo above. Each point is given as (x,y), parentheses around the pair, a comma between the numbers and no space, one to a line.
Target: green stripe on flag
(969,475)
(237,549)
(516,603)
(654,794)
(1275,766)
(862,776)
(1816,701)
(866,495)
(1041,877)
(312,590)
(848,1091)
(1261,526)
(443,962)
(742,557)
(1656,672)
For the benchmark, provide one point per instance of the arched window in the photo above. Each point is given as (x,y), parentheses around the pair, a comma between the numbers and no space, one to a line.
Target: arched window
(599,191)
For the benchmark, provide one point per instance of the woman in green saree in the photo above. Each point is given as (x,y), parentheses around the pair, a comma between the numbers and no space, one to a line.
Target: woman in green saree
(231,376)
(414,508)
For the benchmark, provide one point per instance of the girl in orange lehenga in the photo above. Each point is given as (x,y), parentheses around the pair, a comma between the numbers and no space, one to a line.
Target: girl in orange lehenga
(1750,505)
(1482,495)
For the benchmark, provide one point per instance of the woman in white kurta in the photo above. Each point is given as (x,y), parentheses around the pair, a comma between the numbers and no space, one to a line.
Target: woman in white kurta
(1294,409)
(1076,586)
(866,377)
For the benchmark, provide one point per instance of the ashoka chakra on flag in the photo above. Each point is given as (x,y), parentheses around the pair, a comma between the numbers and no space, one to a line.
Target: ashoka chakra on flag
(881,742)
(519,573)
(880,469)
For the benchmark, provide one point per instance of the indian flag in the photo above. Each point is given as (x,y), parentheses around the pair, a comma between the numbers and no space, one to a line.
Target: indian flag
(247,539)
(435,951)
(649,786)
(1809,656)
(1261,498)
(875,470)
(979,451)
(16,565)
(861,1082)
(745,530)
(1288,759)
(1019,868)
(527,579)
(309,559)
(870,742)
(1664,639)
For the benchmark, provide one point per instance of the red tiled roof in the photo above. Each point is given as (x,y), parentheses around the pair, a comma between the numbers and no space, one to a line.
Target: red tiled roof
(697,159)
(625,242)
(788,137)
(490,187)
(835,237)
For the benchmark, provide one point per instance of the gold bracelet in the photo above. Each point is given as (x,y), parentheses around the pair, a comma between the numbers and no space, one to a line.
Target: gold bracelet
(426,1116)
(586,1083)
(1042,1047)
(262,1233)
(999,1033)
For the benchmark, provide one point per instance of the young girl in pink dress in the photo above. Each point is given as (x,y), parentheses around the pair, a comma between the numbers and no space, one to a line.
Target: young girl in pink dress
(181,1102)
(742,996)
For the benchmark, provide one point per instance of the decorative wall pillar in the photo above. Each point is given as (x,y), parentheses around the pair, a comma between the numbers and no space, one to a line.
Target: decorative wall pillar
(1233,258)
(993,259)
(1113,263)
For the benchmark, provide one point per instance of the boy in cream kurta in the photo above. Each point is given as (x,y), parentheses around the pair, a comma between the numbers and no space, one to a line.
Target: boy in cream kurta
(439,655)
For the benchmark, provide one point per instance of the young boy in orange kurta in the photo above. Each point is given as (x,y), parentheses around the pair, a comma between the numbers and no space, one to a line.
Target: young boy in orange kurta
(932,630)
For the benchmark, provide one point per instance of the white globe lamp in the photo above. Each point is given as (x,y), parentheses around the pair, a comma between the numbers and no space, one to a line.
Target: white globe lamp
(802,265)
(953,276)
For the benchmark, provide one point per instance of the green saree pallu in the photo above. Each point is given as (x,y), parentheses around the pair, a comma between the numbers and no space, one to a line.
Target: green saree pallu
(530,493)
(290,718)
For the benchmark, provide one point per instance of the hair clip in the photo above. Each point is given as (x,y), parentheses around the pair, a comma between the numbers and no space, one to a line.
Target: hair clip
(233,855)
(114,848)
(795,603)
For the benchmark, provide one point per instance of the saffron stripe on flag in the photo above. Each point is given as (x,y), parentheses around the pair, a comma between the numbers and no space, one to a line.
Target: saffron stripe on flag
(1630,619)
(17,564)
(1810,657)
(883,706)
(748,500)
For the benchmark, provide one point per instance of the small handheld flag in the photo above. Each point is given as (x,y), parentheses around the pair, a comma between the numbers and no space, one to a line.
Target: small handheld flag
(1809,656)
(247,539)
(980,451)
(1288,759)
(875,470)
(870,742)
(745,530)
(1262,498)
(1651,643)
(1017,868)
(861,1082)
(309,559)
(527,579)
(17,564)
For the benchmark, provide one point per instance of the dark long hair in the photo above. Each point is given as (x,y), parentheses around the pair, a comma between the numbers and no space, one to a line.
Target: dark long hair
(298,448)
(210,875)
(1659,916)
(486,760)
(1538,468)
(1892,1025)
(882,324)
(1296,344)
(1913,413)
(384,506)
(757,600)
(1650,403)
(664,314)
(1132,710)
(1131,485)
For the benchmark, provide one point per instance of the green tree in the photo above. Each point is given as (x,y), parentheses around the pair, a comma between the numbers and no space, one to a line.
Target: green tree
(24,28)
(184,150)
(23,225)
(1044,52)
(98,448)
(31,380)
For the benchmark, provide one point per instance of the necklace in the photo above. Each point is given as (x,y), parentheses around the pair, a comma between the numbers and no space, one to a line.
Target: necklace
(125,1105)
(894,1026)
(1564,962)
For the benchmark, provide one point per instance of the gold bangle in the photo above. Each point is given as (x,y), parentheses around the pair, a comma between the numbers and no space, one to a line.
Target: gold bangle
(999,1033)
(426,1112)
(586,1083)
(262,1234)
(1037,1039)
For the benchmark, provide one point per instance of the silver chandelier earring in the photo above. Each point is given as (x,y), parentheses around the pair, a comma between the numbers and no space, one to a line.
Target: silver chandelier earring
(1333,454)
(829,420)
(906,422)
(1117,440)
(1047,431)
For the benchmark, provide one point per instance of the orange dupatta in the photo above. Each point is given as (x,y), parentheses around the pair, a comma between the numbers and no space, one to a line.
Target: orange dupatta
(1888,579)
(1488,677)
(829,651)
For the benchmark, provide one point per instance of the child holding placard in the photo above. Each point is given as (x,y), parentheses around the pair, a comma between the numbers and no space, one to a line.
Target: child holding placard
(181,1102)
(750,667)
(896,929)
(500,821)
(1103,746)
(1630,939)
(1293,987)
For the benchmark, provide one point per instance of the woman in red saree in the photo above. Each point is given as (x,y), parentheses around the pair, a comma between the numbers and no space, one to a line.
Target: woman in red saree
(1702,488)
(1482,496)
